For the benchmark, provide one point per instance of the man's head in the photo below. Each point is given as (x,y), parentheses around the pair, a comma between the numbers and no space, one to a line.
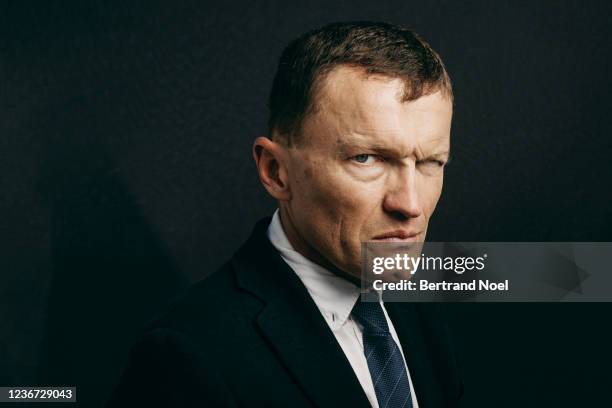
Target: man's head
(359,135)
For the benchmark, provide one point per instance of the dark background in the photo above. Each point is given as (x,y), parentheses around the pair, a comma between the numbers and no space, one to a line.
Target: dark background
(125,172)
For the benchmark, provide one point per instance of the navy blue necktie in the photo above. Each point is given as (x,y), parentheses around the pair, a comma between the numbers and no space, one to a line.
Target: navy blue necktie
(384,357)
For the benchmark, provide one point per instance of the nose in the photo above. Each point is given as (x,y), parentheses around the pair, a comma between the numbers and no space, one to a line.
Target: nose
(402,199)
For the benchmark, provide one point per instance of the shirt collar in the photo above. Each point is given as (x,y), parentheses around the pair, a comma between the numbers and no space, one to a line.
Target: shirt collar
(333,295)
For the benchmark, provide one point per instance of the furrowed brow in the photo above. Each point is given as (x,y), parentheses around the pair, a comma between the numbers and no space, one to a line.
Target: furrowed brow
(365,146)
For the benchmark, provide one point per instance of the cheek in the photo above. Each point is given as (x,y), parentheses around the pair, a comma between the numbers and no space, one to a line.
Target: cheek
(430,189)
(336,205)
(326,185)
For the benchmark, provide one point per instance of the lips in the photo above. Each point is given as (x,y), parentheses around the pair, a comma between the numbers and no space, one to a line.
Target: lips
(397,235)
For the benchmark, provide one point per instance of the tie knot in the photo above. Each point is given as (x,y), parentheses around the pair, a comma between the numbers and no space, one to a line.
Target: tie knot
(371,316)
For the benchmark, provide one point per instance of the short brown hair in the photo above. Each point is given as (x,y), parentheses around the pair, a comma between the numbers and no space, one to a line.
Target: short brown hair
(378,48)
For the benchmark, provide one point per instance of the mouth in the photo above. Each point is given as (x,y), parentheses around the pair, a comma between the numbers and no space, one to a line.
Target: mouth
(397,236)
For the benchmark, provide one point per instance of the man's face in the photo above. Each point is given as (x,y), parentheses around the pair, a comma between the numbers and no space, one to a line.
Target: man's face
(368,166)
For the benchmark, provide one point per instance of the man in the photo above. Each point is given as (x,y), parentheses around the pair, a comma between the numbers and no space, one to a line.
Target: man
(359,136)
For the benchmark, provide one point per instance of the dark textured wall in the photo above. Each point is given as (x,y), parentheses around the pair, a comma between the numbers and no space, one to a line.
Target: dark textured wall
(125,172)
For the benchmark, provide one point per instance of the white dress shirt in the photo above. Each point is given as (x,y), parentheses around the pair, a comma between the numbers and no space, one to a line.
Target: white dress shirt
(335,298)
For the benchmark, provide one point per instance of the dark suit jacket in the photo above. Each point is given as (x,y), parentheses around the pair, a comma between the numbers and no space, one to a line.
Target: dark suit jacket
(250,335)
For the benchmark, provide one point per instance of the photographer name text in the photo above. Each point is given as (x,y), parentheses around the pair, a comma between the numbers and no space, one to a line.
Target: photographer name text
(424,285)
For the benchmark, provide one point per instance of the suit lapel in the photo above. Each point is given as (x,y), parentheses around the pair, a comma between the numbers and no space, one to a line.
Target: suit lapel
(292,324)
(313,356)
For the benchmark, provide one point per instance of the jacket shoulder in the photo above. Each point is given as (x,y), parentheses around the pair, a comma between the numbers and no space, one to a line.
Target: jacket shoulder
(213,302)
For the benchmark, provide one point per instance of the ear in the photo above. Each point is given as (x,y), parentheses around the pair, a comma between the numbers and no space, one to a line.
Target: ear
(270,159)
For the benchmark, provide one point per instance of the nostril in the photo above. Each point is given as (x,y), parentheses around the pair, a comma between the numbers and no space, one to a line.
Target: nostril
(399,216)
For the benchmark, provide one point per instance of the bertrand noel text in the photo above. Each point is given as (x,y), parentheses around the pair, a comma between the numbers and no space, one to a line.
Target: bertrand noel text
(424,285)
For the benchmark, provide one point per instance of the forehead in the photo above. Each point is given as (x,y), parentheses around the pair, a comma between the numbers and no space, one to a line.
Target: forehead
(350,102)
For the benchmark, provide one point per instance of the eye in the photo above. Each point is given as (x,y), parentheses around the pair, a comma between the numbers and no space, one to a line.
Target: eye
(432,162)
(365,158)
